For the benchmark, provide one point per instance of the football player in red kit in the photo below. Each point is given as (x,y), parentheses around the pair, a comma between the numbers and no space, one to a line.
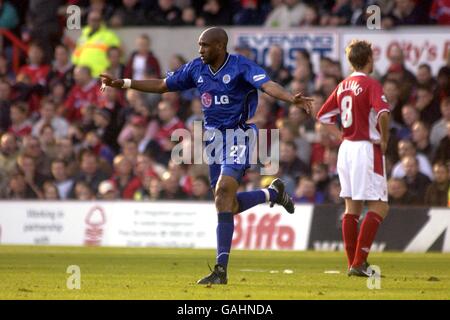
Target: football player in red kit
(364,116)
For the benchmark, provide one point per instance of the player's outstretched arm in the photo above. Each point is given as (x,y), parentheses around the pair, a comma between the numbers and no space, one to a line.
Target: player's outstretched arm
(152,85)
(278,92)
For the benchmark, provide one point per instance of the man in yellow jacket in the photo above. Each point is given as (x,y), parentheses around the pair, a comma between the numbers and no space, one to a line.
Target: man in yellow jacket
(92,45)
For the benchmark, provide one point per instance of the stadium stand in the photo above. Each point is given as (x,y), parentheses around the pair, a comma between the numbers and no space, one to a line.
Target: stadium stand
(61,138)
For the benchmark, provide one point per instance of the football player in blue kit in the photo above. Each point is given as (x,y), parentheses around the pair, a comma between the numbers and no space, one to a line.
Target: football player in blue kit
(228,85)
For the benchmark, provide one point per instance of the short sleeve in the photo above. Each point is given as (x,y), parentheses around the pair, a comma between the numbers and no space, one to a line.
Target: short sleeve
(378,100)
(181,79)
(329,110)
(253,73)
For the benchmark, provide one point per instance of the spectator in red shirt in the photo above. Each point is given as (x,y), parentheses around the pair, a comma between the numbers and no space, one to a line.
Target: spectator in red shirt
(21,126)
(35,69)
(440,12)
(142,62)
(85,92)
(319,147)
(136,131)
(168,123)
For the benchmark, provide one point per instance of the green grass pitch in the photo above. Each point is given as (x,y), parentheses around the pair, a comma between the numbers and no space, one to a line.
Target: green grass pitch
(165,274)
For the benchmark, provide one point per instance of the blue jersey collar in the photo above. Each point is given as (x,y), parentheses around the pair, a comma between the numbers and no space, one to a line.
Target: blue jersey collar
(223,65)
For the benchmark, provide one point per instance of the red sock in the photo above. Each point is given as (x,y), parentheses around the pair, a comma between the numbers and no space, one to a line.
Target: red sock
(366,236)
(350,235)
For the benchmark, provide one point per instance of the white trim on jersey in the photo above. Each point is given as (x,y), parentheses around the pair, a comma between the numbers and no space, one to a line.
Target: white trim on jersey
(373,132)
(381,111)
(326,118)
(214,73)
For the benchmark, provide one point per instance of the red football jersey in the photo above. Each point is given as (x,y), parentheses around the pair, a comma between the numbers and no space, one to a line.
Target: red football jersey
(37,74)
(359,100)
(80,98)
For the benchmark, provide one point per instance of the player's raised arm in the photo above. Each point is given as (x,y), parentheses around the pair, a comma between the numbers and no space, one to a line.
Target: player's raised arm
(278,92)
(152,85)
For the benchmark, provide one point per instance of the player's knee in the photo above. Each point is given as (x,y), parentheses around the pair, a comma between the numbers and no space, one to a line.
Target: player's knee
(223,196)
(380,207)
(222,193)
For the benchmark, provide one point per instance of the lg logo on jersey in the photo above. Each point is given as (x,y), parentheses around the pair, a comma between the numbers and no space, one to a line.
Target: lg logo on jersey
(206,99)
(221,100)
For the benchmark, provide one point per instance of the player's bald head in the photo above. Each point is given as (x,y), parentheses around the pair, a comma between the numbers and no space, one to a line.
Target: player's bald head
(215,35)
(213,46)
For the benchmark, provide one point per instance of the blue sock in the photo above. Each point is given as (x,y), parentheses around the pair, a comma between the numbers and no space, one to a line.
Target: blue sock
(250,199)
(225,229)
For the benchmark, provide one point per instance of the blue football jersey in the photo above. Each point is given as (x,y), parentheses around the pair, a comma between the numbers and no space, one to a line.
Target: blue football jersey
(229,96)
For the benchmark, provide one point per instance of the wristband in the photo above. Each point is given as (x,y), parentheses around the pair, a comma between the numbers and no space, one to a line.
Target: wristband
(126,84)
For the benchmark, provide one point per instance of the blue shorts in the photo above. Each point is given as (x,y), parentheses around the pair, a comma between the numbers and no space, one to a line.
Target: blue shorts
(233,158)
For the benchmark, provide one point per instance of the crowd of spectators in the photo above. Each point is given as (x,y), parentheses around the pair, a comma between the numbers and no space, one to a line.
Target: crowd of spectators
(62,138)
(271,13)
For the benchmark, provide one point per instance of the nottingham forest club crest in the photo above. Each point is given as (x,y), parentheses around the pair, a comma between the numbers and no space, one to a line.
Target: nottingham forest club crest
(226,78)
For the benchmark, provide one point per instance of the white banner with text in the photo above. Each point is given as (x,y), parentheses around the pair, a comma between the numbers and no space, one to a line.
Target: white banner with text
(155,224)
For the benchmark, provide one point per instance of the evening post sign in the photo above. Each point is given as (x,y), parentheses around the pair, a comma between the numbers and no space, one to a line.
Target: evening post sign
(318,44)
